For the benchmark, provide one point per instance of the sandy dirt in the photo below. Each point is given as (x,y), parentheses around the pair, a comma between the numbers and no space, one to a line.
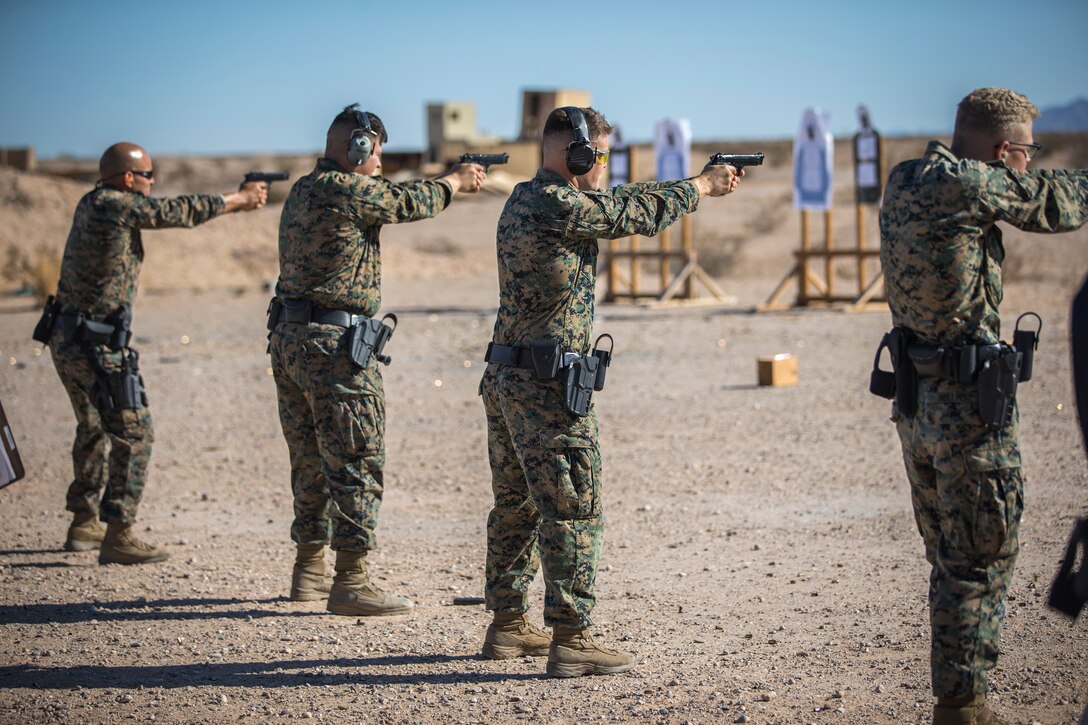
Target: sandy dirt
(760,556)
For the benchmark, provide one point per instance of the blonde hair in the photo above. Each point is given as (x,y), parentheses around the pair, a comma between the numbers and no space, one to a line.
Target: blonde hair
(995,111)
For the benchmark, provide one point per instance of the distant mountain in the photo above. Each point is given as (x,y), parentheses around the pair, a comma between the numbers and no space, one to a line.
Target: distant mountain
(1070,118)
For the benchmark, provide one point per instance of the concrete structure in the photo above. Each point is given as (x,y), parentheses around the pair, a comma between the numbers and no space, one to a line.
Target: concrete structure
(537,104)
(524,155)
(22,159)
(452,122)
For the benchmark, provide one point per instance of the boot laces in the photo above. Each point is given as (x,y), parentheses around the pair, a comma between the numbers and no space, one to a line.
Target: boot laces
(590,643)
(129,538)
(527,627)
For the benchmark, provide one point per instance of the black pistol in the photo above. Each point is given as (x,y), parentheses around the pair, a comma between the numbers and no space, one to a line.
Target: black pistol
(737,161)
(485,160)
(267,178)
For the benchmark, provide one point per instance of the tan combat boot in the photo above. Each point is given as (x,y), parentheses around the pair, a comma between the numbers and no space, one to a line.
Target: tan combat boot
(574,653)
(310,578)
(511,634)
(353,595)
(120,546)
(85,533)
(969,710)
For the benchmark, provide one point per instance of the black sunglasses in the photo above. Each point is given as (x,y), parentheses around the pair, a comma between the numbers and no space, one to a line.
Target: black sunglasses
(149,175)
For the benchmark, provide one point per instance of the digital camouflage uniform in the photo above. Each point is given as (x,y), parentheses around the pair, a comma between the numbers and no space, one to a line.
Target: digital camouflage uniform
(332,412)
(98,277)
(941,253)
(545,462)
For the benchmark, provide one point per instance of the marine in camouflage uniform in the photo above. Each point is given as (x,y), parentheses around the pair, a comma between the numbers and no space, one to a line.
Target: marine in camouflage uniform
(98,280)
(545,461)
(941,253)
(333,412)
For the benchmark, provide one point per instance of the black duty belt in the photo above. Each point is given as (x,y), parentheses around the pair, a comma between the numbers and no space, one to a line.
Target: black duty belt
(518,357)
(578,375)
(303,313)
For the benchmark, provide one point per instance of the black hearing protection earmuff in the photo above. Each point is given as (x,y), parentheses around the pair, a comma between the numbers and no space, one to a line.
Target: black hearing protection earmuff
(580,155)
(361,143)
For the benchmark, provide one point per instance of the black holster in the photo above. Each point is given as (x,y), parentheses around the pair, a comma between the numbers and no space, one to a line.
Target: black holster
(997,381)
(122,389)
(44,329)
(274,311)
(882,382)
(580,375)
(368,338)
(902,382)
(906,377)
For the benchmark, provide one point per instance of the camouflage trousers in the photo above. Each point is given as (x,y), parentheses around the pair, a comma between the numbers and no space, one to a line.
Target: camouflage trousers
(112,448)
(968,495)
(333,417)
(545,476)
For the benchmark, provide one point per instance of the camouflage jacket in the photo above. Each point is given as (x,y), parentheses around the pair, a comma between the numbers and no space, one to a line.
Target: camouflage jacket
(329,248)
(547,251)
(940,247)
(102,257)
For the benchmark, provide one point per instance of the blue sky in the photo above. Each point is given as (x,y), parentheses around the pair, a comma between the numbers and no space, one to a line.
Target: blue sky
(245,77)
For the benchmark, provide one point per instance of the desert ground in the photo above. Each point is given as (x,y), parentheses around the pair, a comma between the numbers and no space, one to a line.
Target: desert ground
(760,558)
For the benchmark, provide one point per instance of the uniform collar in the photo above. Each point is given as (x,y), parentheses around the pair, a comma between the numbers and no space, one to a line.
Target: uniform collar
(549,176)
(326,164)
(936,148)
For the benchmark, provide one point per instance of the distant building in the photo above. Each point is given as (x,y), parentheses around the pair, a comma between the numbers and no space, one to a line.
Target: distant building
(453,122)
(451,130)
(537,104)
(22,159)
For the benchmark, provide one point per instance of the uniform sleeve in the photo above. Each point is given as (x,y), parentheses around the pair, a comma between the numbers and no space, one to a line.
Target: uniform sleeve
(379,201)
(1046,200)
(640,187)
(612,214)
(178,211)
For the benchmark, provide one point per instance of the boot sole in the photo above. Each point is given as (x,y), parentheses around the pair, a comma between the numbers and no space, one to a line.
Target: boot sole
(346,610)
(560,669)
(501,652)
(149,560)
(73,545)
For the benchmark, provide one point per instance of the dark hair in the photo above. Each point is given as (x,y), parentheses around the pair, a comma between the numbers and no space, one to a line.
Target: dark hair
(558,123)
(347,121)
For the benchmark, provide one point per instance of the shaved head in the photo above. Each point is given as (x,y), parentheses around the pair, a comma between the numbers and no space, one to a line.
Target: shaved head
(346,124)
(122,157)
(559,131)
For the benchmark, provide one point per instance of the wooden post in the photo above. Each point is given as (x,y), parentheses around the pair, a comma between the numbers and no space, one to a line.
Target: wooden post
(802,273)
(860,218)
(663,240)
(829,245)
